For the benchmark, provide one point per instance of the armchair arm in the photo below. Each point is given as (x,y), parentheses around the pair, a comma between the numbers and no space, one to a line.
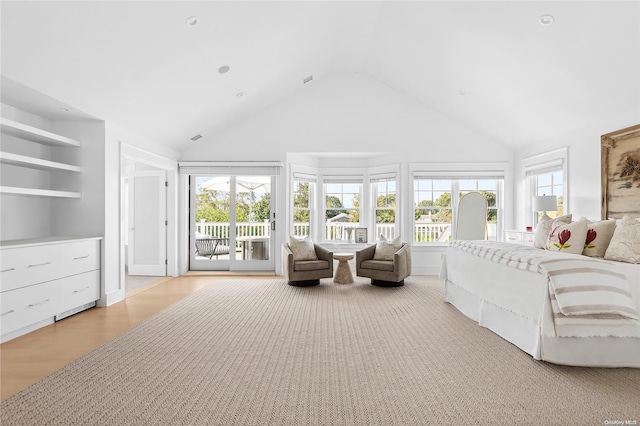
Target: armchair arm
(324,254)
(364,254)
(402,261)
(287,261)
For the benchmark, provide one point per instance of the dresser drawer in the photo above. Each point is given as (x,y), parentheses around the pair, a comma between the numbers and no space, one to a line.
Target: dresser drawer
(513,237)
(79,290)
(81,256)
(29,305)
(29,265)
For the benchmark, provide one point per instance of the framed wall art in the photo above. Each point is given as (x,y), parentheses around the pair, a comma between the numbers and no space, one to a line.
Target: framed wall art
(361,235)
(620,175)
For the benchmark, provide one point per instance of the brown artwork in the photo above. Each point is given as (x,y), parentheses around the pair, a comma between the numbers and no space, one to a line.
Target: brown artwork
(621,173)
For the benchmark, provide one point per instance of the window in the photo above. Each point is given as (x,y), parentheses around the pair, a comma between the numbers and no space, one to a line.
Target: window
(550,183)
(342,208)
(546,175)
(301,207)
(384,193)
(434,211)
(488,188)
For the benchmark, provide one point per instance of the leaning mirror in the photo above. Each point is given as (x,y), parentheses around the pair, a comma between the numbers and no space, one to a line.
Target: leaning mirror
(471,223)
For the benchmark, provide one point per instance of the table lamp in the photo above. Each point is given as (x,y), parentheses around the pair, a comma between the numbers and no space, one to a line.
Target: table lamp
(545,203)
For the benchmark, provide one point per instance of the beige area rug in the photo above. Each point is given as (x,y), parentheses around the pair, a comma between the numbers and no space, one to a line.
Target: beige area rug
(260,352)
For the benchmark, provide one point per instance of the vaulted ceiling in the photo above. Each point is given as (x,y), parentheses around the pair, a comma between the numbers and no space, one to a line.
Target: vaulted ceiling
(491,66)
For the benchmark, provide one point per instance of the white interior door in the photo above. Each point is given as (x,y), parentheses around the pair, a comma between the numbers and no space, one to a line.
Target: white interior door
(147,223)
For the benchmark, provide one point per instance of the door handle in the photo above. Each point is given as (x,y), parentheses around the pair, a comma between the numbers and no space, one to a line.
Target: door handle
(273,225)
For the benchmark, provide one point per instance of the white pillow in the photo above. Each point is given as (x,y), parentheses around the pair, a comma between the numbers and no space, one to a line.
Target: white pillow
(598,237)
(302,249)
(543,229)
(386,249)
(568,237)
(625,243)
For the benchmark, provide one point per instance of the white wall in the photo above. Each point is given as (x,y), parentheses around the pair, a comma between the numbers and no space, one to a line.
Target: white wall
(347,113)
(583,166)
(350,113)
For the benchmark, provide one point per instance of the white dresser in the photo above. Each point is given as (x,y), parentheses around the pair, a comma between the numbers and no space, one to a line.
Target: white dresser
(45,280)
(519,237)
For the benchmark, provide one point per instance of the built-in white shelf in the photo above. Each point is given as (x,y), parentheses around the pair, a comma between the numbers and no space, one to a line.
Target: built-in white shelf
(36,163)
(38,192)
(34,134)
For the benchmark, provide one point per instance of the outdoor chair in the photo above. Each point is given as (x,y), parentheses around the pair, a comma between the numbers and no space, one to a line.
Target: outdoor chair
(214,246)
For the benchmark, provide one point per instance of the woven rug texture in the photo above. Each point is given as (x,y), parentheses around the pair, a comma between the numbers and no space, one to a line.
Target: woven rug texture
(260,352)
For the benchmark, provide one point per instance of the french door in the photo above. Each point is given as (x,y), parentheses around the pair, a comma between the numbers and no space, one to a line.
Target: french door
(231,221)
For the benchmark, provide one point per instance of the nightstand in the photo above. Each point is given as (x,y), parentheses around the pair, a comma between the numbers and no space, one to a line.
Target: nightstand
(519,237)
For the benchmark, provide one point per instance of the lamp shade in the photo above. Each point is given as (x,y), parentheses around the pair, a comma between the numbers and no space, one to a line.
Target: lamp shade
(543,203)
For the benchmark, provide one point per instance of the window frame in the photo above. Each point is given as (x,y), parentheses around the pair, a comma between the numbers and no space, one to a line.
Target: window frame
(540,164)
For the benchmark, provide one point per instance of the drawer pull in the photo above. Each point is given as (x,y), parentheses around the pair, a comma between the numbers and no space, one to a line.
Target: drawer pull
(8,270)
(7,313)
(40,264)
(82,289)
(42,302)
(81,257)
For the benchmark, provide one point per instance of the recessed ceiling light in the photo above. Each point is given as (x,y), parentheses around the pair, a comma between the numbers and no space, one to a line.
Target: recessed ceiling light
(65,109)
(462,92)
(307,79)
(191,21)
(240,94)
(196,137)
(223,69)
(546,20)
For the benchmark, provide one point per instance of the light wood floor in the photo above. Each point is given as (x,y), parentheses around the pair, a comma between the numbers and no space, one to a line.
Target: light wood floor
(31,357)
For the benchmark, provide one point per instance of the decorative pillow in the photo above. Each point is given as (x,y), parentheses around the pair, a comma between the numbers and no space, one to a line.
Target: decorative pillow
(598,237)
(386,249)
(302,249)
(625,243)
(568,237)
(543,229)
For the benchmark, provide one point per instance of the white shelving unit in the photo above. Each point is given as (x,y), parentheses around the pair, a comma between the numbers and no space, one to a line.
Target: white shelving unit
(24,131)
(34,134)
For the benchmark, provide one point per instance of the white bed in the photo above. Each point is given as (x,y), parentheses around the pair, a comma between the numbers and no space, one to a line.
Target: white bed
(515,302)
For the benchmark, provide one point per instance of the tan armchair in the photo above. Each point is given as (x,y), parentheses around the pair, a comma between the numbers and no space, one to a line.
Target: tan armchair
(304,273)
(384,273)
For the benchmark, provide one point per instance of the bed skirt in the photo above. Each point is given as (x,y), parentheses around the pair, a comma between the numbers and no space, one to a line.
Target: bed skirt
(526,334)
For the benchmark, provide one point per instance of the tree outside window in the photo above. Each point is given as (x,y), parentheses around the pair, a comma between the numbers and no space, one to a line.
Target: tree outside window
(385,210)
(342,208)
(301,209)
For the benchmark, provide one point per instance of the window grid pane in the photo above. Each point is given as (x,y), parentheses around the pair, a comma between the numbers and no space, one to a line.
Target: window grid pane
(342,209)
(385,199)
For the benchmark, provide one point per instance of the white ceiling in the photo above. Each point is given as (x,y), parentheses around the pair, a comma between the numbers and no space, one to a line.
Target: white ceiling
(138,65)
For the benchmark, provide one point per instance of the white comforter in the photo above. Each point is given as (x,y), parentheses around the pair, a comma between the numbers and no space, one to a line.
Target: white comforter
(589,297)
(504,287)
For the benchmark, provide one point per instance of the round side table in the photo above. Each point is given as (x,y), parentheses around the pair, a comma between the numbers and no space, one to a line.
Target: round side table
(343,272)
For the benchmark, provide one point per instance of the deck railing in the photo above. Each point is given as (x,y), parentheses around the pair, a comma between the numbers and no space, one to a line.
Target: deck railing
(336,231)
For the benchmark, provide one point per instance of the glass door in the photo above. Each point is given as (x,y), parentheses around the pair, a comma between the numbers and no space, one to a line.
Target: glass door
(231,221)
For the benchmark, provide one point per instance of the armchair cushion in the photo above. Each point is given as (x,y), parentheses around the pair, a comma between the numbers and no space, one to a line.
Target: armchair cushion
(310,265)
(302,249)
(379,265)
(385,249)
(387,273)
